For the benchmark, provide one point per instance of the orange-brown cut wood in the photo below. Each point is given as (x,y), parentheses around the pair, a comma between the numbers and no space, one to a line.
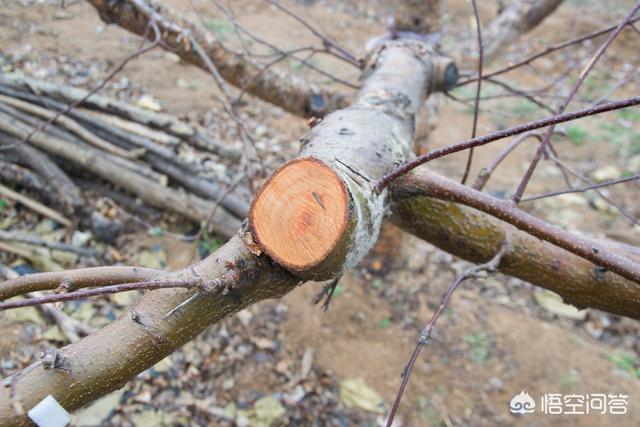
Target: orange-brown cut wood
(300,214)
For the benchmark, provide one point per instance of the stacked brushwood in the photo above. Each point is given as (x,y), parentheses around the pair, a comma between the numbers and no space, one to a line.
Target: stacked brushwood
(129,153)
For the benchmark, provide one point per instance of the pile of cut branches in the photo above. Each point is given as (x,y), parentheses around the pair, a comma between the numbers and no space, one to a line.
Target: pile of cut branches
(57,139)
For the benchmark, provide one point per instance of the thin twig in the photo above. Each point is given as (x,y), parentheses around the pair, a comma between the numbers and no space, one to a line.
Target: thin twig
(476,104)
(75,279)
(192,283)
(505,133)
(582,189)
(546,51)
(425,334)
(522,93)
(517,196)
(327,43)
(566,168)
(487,171)
(327,293)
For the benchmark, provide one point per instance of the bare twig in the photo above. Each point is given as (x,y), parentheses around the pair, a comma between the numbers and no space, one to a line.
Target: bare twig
(582,189)
(546,51)
(518,92)
(69,326)
(425,334)
(326,293)
(192,283)
(495,136)
(75,279)
(476,104)
(486,172)
(567,169)
(517,196)
(327,43)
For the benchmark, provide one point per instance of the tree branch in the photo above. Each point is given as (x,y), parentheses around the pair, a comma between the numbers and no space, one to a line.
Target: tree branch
(518,18)
(75,279)
(288,92)
(476,236)
(158,324)
(380,124)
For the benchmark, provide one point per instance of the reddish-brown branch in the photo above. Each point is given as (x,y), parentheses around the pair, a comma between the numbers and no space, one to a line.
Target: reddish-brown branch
(75,279)
(516,130)
(191,283)
(429,184)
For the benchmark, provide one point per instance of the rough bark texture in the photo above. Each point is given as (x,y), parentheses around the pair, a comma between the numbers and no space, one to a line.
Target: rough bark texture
(152,329)
(519,17)
(286,91)
(476,236)
(360,144)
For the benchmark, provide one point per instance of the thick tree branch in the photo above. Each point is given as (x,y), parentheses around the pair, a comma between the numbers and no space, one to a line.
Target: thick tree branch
(153,328)
(291,93)
(343,157)
(518,18)
(476,236)
(319,215)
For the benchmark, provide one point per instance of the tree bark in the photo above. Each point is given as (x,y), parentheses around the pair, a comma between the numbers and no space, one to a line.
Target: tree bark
(353,147)
(291,93)
(518,18)
(153,328)
(477,236)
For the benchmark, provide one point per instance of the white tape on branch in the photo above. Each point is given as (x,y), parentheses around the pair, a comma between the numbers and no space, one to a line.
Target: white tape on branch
(49,413)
